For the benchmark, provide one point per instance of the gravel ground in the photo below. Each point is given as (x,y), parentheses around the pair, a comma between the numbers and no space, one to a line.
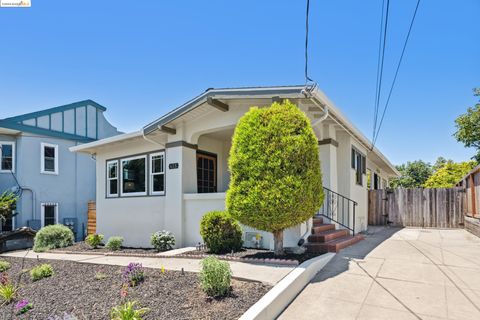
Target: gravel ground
(83,247)
(256,254)
(171,295)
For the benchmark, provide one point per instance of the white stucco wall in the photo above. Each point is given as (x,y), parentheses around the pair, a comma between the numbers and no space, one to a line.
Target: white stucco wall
(133,218)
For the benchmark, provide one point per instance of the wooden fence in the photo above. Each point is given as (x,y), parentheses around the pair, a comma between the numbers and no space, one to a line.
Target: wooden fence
(471,183)
(92,218)
(434,208)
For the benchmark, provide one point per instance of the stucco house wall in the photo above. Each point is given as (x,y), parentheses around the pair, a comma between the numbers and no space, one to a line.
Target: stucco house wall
(206,126)
(73,185)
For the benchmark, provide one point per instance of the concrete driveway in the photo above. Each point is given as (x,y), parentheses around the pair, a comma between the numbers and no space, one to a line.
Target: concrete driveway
(397,274)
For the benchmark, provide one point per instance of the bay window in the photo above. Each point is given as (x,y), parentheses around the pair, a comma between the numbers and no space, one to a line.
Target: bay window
(139,175)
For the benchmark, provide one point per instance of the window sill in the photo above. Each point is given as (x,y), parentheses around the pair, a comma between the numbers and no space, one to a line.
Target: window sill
(49,172)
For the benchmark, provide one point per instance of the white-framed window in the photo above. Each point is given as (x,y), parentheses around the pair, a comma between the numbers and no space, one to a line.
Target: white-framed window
(112,178)
(133,179)
(359,164)
(7,156)
(157,173)
(49,158)
(49,213)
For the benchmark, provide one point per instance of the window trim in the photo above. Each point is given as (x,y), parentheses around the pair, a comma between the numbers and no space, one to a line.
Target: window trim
(133,194)
(42,216)
(151,173)
(12,143)
(108,179)
(215,157)
(363,165)
(42,158)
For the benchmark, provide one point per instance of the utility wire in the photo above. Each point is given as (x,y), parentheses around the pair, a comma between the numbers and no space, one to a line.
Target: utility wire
(380,78)
(307,78)
(396,73)
(375,109)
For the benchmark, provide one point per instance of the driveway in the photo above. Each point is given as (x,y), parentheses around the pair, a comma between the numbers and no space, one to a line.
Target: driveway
(397,274)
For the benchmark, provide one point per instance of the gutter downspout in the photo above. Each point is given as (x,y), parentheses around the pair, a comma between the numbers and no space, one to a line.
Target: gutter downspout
(320,120)
(34,198)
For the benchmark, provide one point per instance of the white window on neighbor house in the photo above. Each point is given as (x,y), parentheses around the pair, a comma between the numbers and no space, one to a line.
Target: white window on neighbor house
(133,176)
(49,213)
(7,156)
(157,173)
(49,158)
(112,178)
(359,163)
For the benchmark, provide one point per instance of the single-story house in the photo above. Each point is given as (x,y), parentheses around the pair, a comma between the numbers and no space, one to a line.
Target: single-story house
(168,174)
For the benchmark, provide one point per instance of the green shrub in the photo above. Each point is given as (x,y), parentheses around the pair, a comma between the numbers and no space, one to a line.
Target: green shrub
(220,232)
(41,271)
(127,311)
(275,181)
(162,240)
(94,240)
(4,265)
(114,243)
(215,277)
(53,236)
(8,291)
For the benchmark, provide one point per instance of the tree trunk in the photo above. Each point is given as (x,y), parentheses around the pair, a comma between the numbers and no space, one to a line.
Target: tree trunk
(278,242)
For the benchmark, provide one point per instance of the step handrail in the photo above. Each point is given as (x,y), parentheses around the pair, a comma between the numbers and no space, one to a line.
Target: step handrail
(334,201)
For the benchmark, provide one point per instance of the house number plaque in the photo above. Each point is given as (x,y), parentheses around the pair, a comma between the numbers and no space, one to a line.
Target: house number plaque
(173,165)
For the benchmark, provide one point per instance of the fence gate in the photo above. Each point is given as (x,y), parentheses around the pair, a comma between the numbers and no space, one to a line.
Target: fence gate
(434,208)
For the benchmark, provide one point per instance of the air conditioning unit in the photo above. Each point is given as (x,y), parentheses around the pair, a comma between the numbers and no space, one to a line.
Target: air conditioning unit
(252,240)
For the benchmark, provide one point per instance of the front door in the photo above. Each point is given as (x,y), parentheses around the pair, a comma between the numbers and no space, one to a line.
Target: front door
(206,173)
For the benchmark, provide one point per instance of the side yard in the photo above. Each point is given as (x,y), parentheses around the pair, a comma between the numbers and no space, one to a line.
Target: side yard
(397,274)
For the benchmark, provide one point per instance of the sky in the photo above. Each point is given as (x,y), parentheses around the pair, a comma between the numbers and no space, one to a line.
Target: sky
(141,59)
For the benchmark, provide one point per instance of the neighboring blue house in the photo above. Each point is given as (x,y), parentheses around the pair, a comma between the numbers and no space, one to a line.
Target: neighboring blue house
(54,184)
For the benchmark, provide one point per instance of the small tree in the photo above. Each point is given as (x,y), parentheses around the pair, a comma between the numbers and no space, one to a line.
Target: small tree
(468,127)
(449,174)
(8,203)
(276,182)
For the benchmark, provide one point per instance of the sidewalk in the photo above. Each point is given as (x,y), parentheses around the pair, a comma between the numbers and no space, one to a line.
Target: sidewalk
(268,274)
(397,274)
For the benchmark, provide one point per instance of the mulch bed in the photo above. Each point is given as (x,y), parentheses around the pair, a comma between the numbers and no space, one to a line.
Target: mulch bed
(170,295)
(255,255)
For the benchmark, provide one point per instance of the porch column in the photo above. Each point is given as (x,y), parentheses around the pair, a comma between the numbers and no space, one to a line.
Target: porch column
(180,178)
(327,148)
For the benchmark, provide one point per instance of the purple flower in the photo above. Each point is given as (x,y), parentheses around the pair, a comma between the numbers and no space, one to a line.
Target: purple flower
(21,304)
(133,273)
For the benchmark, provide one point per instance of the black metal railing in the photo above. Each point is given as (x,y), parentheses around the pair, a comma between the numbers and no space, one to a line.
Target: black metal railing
(339,209)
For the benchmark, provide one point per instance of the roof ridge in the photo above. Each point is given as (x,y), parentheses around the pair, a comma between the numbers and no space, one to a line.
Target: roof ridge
(61,108)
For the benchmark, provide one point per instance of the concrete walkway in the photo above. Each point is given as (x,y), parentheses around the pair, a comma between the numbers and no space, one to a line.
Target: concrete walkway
(397,274)
(268,274)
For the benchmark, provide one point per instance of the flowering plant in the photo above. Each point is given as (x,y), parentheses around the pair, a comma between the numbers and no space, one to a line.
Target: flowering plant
(23,306)
(133,274)
(3,278)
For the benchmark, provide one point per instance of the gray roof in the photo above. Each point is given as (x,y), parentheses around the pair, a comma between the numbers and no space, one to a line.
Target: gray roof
(212,92)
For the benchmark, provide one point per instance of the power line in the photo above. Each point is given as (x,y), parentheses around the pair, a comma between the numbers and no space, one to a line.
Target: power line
(380,73)
(396,72)
(307,78)
(375,111)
